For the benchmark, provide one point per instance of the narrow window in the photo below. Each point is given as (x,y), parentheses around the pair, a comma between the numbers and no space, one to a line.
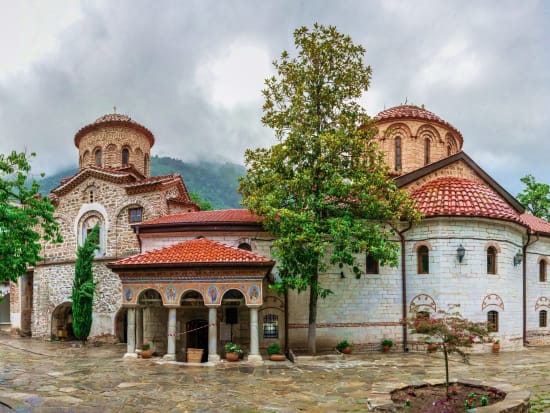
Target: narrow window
(426,151)
(125,156)
(449,150)
(542,271)
(423,260)
(135,214)
(492,321)
(98,157)
(271,326)
(543,318)
(491,260)
(398,153)
(91,197)
(372,265)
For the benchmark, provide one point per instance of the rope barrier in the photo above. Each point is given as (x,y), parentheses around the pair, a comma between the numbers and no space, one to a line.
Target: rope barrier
(189,331)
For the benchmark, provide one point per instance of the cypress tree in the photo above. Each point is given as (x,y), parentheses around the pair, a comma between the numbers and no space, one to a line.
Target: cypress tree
(84,286)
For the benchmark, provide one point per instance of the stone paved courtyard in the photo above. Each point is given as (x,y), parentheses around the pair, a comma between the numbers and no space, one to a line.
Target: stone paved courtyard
(60,377)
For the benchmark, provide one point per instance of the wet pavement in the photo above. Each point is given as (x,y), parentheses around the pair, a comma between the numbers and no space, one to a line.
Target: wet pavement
(63,377)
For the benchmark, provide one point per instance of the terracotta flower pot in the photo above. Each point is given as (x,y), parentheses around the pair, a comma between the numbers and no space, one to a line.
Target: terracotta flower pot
(386,349)
(346,350)
(232,356)
(432,347)
(146,354)
(277,357)
(496,347)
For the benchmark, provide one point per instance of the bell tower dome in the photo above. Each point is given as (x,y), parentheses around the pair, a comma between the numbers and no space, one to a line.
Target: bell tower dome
(115,141)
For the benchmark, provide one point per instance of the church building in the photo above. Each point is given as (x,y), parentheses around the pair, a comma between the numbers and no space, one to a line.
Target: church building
(177,277)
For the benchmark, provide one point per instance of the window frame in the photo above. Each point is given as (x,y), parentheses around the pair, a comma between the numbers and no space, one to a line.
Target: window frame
(398,153)
(543,267)
(372,265)
(543,318)
(271,321)
(491,260)
(131,215)
(423,260)
(492,321)
(125,153)
(98,155)
(427,144)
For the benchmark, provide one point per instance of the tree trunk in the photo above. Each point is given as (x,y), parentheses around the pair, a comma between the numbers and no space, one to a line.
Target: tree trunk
(446,370)
(312,327)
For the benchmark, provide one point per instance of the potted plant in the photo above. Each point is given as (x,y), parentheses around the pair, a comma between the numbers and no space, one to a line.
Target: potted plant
(232,351)
(275,353)
(387,344)
(431,345)
(496,346)
(344,346)
(146,351)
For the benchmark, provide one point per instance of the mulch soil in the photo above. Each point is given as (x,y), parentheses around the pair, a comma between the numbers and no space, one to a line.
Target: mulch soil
(432,399)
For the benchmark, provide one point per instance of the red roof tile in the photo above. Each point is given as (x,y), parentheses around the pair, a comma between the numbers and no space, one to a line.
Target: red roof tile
(196,251)
(535,224)
(153,180)
(414,112)
(207,217)
(462,197)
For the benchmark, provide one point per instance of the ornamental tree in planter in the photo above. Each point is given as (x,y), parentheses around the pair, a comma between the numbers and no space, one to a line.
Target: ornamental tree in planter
(275,353)
(451,332)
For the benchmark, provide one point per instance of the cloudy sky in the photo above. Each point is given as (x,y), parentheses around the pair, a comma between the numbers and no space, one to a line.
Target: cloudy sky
(192,72)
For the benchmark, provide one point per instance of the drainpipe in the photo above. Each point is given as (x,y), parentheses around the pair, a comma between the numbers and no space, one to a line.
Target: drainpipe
(524,281)
(404,285)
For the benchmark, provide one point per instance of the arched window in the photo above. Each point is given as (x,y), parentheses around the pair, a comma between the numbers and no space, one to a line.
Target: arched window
(245,246)
(125,156)
(97,157)
(271,326)
(449,150)
(543,318)
(491,260)
(423,260)
(542,271)
(426,151)
(492,321)
(398,153)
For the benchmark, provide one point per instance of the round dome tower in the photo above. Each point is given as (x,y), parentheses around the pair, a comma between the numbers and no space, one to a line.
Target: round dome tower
(115,141)
(412,137)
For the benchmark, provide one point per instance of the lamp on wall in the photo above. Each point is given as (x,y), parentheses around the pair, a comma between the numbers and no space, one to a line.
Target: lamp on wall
(518,258)
(460,253)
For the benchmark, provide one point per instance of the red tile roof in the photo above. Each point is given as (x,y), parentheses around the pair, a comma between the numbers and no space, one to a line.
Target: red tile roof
(196,251)
(414,112)
(153,180)
(237,216)
(451,196)
(535,224)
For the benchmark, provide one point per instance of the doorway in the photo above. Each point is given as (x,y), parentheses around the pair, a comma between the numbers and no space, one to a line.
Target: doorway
(198,336)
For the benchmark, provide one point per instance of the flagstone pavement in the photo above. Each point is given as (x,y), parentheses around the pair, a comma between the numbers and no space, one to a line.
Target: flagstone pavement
(41,376)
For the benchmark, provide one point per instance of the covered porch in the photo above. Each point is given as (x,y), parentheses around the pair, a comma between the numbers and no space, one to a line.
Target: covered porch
(196,294)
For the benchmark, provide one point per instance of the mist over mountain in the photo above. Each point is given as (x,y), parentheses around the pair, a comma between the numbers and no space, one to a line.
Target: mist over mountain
(215,182)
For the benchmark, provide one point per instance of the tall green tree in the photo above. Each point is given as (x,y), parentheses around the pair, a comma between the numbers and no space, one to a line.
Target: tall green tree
(322,188)
(84,286)
(25,217)
(536,197)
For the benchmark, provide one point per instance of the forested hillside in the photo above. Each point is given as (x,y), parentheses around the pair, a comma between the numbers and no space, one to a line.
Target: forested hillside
(215,182)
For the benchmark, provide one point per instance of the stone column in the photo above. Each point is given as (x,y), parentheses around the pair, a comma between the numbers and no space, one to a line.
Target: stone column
(139,326)
(171,352)
(213,334)
(254,346)
(131,333)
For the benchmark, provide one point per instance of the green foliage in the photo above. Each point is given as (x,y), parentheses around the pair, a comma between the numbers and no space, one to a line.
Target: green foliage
(451,332)
(215,183)
(25,218)
(146,346)
(342,345)
(387,343)
(323,189)
(535,197)
(274,348)
(232,348)
(204,205)
(84,286)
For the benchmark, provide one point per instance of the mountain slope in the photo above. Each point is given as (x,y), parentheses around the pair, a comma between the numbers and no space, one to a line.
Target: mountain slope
(215,182)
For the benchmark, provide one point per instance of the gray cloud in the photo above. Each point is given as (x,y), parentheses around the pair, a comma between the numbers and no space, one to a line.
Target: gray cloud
(482,66)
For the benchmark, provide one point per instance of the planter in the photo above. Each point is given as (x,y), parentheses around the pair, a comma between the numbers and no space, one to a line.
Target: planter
(146,354)
(194,355)
(432,347)
(386,349)
(346,350)
(277,357)
(496,347)
(232,356)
